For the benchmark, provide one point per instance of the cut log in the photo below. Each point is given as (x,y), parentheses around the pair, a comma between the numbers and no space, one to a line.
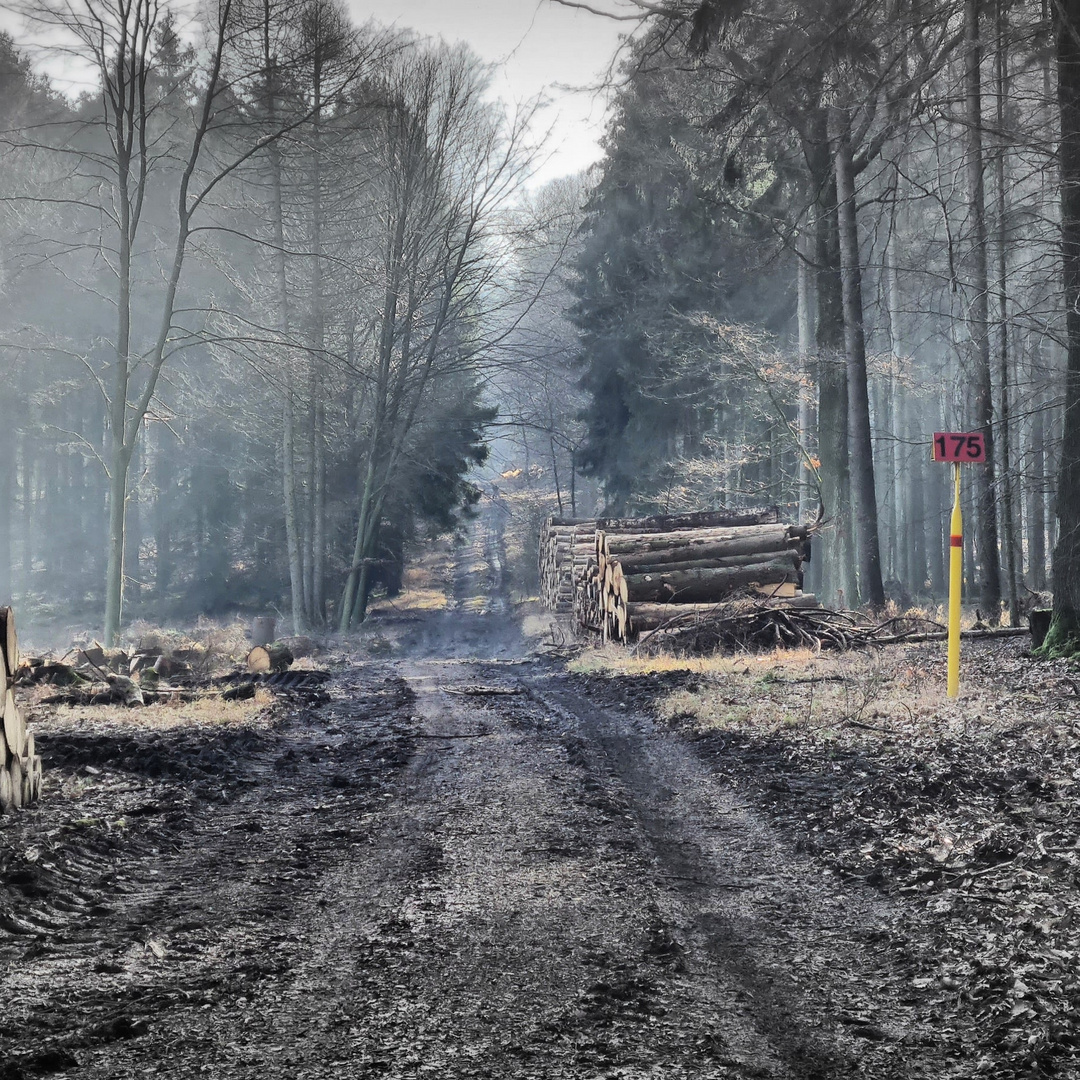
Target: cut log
(14,726)
(38,776)
(269,658)
(56,674)
(169,667)
(29,745)
(721,542)
(93,656)
(571,523)
(676,559)
(15,771)
(7,798)
(300,646)
(125,690)
(144,661)
(9,641)
(786,590)
(648,564)
(702,519)
(637,558)
(701,586)
(28,782)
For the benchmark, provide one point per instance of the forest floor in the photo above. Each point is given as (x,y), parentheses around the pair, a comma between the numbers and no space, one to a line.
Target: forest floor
(467,858)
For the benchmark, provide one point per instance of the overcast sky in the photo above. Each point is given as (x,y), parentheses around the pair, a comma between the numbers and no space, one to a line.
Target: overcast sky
(540,47)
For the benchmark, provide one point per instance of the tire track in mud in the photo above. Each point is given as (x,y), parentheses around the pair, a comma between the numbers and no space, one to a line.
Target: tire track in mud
(540,948)
(788,944)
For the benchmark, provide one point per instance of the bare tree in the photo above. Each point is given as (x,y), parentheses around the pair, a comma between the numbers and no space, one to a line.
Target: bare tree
(1064,635)
(447,166)
(152,142)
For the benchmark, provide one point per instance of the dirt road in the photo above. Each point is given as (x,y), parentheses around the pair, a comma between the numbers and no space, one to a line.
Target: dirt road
(453,868)
(459,862)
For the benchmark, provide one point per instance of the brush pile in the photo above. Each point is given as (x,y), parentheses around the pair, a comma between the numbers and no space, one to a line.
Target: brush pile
(629,575)
(20,766)
(751,626)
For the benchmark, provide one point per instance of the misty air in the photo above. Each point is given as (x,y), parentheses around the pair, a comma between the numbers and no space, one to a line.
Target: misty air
(539,542)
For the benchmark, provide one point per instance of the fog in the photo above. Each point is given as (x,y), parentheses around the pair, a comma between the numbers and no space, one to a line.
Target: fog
(282,301)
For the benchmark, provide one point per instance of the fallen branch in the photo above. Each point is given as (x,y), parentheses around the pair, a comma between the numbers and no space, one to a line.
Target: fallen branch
(943,635)
(480,691)
(466,735)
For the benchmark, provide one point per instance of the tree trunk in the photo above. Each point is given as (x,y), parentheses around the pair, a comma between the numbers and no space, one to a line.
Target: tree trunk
(292,524)
(283,307)
(1064,635)
(1009,531)
(916,503)
(114,569)
(133,526)
(836,552)
(164,479)
(982,399)
(1036,473)
(900,523)
(860,444)
(7,495)
(806,419)
(317,345)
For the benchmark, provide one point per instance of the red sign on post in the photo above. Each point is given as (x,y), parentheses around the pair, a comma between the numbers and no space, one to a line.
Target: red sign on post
(968,447)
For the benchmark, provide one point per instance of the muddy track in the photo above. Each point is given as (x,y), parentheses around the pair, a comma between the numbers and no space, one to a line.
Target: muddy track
(439,866)
(422,877)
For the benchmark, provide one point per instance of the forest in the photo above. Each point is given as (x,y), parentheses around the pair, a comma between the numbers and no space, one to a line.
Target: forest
(280,300)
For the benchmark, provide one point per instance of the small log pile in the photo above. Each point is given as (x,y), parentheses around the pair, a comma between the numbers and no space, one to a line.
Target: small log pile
(89,675)
(20,766)
(642,573)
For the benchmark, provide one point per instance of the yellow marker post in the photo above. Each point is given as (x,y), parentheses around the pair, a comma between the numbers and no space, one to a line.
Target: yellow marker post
(956,584)
(958,448)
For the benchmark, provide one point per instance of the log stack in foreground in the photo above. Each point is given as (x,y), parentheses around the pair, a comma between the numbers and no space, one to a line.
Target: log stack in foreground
(20,766)
(644,573)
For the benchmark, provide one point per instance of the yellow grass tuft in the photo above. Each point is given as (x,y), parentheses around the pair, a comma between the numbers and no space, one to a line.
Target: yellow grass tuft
(206,711)
(410,600)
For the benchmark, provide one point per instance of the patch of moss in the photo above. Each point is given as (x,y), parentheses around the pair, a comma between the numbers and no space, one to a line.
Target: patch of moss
(1062,640)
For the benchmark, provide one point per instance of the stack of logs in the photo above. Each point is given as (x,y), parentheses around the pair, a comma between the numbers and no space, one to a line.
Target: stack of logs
(20,766)
(566,547)
(640,573)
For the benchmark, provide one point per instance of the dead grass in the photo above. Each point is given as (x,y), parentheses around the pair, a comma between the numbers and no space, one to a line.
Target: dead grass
(409,601)
(874,695)
(425,586)
(891,692)
(207,711)
(215,644)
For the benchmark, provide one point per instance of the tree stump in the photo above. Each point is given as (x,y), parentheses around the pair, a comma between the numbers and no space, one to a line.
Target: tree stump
(262,629)
(1039,623)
